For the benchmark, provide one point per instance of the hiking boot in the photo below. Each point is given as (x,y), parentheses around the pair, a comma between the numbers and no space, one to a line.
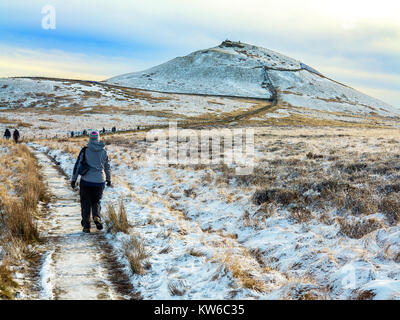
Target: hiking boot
(97,222)
(86,230)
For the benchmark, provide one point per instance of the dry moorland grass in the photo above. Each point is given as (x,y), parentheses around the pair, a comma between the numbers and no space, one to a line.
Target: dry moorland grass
(15,123)
(307,121)
(19,211)
(242,274)
(19,198)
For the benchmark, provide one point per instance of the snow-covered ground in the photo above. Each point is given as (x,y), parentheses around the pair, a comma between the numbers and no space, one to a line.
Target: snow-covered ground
(182,254)
(314,114)
(210,240)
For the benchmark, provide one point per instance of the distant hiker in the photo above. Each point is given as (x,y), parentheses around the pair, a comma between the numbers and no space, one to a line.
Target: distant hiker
(94,168)
(84,132)
(16,135)
(7,134)
(104,130)
(114,129)
(72,134)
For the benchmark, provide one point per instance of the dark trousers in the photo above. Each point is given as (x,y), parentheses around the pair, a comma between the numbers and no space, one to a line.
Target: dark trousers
(90,202)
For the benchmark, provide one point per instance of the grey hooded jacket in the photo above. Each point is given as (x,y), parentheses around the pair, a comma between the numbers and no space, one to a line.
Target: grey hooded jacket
(99,166)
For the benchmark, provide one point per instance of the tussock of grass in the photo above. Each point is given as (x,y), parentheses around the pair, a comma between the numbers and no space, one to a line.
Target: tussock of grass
(390,206)
(7,284)
(266,211)
(20,222)
(278,196)
(196,253)
(136,254)
(300,214)
(165,250)
(358,229)
(303,288)
(117,221)
(190,193)
(365,295)
(240,273)
(72,149)
(32,187)
(311,155)
(177,288)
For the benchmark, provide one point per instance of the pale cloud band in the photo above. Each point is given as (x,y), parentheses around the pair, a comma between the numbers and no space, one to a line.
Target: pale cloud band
(16,62)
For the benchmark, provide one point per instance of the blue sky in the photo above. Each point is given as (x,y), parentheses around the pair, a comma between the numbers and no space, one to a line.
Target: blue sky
(355,42)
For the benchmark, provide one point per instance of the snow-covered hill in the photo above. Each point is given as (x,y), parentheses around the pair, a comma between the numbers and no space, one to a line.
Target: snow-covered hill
(243,70)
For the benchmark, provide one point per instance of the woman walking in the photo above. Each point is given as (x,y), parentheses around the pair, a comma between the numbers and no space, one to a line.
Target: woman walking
(94,167)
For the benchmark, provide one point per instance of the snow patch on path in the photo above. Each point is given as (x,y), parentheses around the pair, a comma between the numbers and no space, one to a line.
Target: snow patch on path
(46,276)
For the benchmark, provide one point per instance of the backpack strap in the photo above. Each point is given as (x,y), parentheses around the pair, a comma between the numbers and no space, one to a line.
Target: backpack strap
(84,154)
(83,150)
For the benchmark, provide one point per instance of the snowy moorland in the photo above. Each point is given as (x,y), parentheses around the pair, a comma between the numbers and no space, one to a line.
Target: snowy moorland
(55,107)
(318,218)
(42,108)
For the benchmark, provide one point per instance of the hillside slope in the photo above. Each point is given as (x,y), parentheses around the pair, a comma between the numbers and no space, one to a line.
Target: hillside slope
(57,106)
(243,70)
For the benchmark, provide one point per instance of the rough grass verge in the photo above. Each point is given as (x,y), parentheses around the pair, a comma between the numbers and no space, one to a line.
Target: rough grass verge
(21,193)
(20,212)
